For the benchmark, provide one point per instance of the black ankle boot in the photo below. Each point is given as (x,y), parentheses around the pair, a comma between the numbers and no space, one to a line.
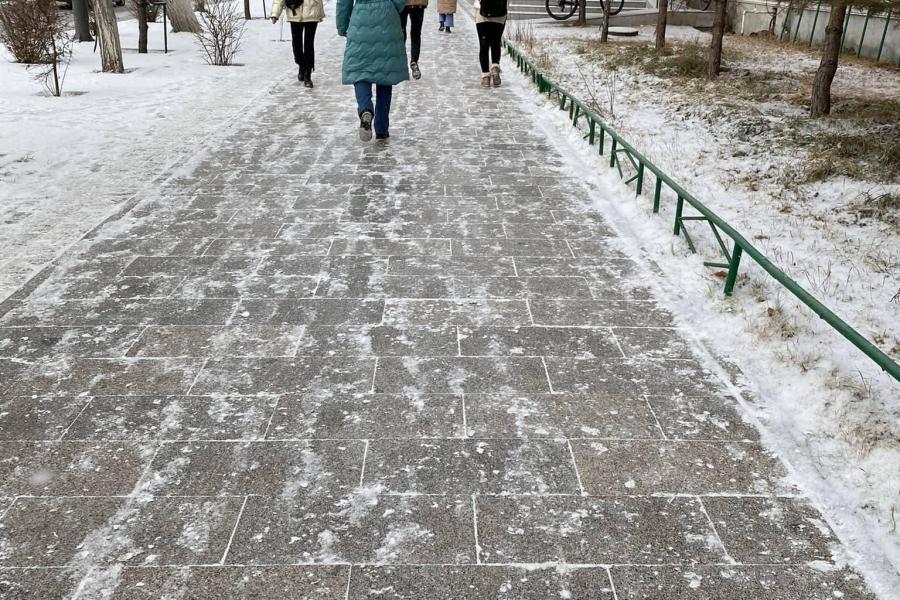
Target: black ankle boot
(307,80)
(300,74)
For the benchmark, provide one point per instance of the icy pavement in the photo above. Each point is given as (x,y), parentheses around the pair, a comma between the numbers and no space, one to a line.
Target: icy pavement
(314,368)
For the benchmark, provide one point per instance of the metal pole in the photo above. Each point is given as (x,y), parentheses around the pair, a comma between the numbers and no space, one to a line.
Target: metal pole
(846,25)
(862,38)
(733,269)
(799,18)
(656,194)
(887,22)
(679,207)
(784,25)
(281,31)
(812,32)
(165,30)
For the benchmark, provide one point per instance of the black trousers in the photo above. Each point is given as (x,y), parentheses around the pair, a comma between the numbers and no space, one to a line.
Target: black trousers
(416,14)
(489,36)
(303,40)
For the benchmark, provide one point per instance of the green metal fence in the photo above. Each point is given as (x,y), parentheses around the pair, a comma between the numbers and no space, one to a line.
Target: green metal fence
(598,132)
(796,10)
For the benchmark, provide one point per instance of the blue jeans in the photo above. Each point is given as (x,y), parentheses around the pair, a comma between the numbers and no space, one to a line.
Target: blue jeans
(446,19)
(382,106)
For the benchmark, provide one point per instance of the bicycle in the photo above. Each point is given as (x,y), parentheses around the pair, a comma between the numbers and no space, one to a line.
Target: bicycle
(563,9)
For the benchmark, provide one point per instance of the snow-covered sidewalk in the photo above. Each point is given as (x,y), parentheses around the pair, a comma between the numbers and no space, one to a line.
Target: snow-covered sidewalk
(68,163)
(304,366)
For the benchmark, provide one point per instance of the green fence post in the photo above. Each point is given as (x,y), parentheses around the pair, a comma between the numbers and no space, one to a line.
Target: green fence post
(862,38)
(592,126)
(656,194)
(733,269)
(797,29)
(887,22)
(846,25)
(785,24)
(812,32)
(612,153)
(639,187)
(602,139)
(678,210)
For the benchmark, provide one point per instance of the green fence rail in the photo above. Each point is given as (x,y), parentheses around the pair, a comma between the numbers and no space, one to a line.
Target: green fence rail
(598,132)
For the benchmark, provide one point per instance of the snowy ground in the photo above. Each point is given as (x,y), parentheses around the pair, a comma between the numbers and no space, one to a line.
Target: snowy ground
(67,163)
(825,405)
(264,230)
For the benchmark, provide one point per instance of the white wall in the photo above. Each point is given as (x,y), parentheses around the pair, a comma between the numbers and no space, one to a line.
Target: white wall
(753,15)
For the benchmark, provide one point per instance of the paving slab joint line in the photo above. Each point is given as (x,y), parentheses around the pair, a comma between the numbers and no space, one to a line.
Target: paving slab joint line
(237,522)
(475,529)
(349,579)
(656,420)
(90,399)
(575,467)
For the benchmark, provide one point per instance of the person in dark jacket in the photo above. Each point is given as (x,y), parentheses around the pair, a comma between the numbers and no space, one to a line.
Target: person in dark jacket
(414,12)
(375,55)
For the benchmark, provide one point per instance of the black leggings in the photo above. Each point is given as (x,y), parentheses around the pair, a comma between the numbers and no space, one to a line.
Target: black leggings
(489,35)
(416,14)
(303,40)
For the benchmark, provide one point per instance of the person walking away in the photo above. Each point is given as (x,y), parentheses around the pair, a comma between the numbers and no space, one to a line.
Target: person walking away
(375,55)
(414,12)
(446,10)
(304,16)
(490,21)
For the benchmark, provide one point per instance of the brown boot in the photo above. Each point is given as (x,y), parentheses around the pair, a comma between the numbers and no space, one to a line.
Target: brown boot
(486,80)
(495,75)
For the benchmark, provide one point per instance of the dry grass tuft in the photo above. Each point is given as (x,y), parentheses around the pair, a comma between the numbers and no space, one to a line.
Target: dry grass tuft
(681,60)
(872,152)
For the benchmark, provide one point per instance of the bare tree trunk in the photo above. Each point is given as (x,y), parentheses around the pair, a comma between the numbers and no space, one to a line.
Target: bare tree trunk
(247,14)
(142,26)
(181,15)
(661,16)
(820,104)
(82,24)
(108,32)
(604,32)
(56,90)
(715,46)
(582,13)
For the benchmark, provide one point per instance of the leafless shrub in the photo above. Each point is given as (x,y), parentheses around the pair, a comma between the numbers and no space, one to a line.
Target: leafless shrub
(37,36)
(25,28)
(521,32)
(58,52)
(221,32)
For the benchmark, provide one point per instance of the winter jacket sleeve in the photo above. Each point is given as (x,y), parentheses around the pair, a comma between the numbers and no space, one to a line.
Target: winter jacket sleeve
(400,4)
(277,7)
(342,12)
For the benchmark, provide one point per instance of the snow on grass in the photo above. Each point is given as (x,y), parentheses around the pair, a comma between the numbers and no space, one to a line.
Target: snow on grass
(822,406)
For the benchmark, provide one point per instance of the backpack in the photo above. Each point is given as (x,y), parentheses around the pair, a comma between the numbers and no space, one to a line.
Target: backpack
(493,8)
(293,5)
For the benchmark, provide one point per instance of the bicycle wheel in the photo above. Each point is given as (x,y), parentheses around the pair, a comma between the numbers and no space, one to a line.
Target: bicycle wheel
(561,9)
(704,5)
(613,9)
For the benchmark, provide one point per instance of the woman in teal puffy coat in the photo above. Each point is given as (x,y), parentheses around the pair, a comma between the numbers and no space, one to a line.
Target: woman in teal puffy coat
(375,55)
